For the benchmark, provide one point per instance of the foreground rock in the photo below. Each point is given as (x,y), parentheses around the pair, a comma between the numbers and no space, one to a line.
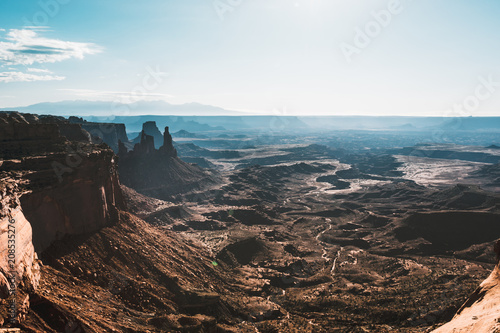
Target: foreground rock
(49,187)
(481,312)
(23,275)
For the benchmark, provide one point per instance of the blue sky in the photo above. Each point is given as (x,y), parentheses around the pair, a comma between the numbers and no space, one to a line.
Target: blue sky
(261,56)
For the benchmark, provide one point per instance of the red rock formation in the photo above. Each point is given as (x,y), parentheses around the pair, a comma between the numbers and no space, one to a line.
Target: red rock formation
(50,187)
(25,272)
(87,198)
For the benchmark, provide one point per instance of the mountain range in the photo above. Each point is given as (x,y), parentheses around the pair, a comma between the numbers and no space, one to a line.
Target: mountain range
(99,108)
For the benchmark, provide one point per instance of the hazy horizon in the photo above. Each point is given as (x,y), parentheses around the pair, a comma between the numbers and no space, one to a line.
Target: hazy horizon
(157,108)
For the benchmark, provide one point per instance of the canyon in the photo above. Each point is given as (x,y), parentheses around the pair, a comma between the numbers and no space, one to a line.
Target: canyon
(270,232)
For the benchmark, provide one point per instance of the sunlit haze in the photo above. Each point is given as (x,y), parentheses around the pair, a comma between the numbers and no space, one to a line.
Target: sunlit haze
(287,57)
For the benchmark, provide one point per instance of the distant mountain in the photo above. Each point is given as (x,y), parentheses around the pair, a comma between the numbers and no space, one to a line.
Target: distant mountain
(101,108)
(175,123)
(404,123)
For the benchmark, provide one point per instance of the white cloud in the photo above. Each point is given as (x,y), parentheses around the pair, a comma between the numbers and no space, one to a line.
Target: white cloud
(39,70)
(26,77)
(26,47)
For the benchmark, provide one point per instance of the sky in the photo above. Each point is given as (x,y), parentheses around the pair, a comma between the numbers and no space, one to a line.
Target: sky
(280,57)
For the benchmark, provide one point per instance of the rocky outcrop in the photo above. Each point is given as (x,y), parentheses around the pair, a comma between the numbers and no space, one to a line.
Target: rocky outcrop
(159,173)
(86,199)
(27,135)
(68,193)
(145,147)
(168,147)
(18,126)
(50,187)
(481,311)
(108,133)
(150,128)
(23,273)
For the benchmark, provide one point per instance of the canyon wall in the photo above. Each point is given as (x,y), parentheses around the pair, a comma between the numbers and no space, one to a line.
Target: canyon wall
(71,200)
(24,270)
(53,182)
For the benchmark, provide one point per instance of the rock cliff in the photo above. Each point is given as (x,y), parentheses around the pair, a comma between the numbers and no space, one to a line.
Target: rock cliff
(49,187)
(108,133)
(26,135)
(25,272)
